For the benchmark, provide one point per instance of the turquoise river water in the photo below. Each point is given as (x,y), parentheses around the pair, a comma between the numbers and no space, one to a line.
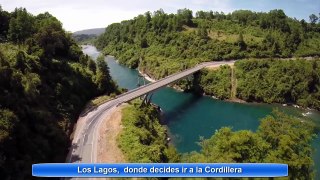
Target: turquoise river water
(189,116)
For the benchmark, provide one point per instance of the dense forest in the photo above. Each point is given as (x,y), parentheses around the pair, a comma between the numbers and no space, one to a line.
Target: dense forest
(45,81)
(270,81)
(143,138)
(215,82)
(84,38)
(293,81)
(160,44)
(87,36)
(279,139)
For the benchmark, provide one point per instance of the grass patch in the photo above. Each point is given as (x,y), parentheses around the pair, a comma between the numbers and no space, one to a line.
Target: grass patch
(97,102)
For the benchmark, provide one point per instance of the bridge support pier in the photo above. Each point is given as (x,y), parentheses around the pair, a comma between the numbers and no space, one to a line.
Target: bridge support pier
(146,99)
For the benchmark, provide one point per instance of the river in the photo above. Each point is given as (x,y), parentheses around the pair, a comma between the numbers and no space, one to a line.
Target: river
(189,116)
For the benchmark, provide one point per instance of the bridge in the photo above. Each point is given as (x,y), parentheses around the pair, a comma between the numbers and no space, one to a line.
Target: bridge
(84,144)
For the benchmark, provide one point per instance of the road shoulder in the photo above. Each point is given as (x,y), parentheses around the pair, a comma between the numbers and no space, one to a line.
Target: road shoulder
(110,128)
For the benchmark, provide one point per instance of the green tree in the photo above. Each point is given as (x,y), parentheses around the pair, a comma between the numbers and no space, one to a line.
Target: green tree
(185,16)
(144,43)
(4,24)
(148,16)
(290,142)
(241,42)
(201,14)
(51,37)
(313,18)
(203,32)
(103,78)
(244,16)
(21,61)
(7,122)
(21,25)
(276,51)
(91,65)
(30,83)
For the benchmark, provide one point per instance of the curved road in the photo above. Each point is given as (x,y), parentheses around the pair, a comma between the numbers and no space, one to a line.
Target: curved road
(84,144)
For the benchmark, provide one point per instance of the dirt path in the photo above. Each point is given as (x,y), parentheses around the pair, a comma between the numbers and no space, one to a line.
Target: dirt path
(108,150)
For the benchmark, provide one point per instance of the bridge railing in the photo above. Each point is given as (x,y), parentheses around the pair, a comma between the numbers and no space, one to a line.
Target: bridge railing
(151,83)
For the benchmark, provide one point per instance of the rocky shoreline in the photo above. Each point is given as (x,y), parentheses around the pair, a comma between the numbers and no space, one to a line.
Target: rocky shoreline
(146,76)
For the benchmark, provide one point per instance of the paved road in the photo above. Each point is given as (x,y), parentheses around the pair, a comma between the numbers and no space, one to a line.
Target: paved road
(84,144)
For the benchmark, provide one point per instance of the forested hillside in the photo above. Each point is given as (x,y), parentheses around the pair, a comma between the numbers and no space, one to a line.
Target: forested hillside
(270,81)
(84,38)
(161,43)
(291,81)
(94,31)
(45,81)
(87,36)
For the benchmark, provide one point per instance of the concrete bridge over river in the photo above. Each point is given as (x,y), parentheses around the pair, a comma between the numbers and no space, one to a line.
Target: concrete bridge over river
(84,144)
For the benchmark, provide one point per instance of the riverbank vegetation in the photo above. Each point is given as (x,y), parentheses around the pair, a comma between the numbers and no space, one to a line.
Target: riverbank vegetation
(143,138)
(45,81)
(280,139)
(269,81)
(293,81)
(215,82)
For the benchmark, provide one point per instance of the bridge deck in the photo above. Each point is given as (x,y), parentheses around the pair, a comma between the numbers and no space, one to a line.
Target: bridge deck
(142,90)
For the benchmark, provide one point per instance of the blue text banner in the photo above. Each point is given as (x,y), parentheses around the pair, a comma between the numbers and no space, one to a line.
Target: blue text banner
(160,170)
